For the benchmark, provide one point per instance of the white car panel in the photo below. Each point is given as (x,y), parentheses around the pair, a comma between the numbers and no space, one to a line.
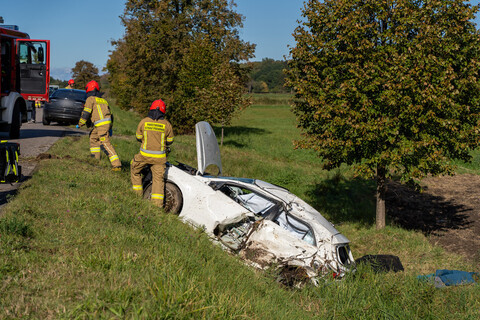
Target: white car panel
(263,223)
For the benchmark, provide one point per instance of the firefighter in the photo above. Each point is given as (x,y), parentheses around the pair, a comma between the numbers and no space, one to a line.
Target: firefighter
(155,133)
(70,84)
(38,104)
(96,109)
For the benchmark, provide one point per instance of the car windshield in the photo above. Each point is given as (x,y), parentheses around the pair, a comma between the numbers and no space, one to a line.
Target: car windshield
(77,95)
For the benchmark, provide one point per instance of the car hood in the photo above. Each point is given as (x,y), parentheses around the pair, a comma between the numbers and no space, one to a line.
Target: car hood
(208,152)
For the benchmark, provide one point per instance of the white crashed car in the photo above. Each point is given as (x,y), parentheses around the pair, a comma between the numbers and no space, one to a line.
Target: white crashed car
(265,224)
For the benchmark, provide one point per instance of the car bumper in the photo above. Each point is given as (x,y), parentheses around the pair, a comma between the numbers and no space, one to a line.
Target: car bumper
(62,114)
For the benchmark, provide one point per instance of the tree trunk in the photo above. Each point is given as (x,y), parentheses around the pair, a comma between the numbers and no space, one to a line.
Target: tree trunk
(381,190)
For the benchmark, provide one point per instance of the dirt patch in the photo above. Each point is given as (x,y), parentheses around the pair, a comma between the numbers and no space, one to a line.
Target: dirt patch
(43,156)
(448,210)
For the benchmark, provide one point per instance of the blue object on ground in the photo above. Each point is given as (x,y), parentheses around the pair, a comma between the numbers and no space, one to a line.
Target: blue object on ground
(443,277)
(77,126)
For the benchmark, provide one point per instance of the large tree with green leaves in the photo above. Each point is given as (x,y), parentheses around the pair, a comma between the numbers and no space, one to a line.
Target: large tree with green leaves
(391,86)
(84,72)
(177,51)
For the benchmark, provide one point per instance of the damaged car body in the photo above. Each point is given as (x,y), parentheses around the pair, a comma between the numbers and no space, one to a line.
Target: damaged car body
(263,223)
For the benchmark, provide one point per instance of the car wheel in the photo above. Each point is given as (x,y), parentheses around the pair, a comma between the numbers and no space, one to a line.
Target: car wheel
(45,121)
(16,122)
(173,197)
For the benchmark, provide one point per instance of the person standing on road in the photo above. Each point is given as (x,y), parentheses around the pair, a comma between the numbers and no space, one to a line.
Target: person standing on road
(37,104)
(155,133)
(71,83)
(97,110)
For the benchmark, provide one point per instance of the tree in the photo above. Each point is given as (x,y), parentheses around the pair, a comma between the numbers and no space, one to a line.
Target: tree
(268,76)
(84,72)
(175,50)
(388,85)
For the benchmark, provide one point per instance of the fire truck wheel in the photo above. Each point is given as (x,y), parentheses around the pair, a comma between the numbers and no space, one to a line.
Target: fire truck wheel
(16,122)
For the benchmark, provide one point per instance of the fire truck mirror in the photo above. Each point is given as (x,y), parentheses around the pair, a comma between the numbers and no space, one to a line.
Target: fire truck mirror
(40,55)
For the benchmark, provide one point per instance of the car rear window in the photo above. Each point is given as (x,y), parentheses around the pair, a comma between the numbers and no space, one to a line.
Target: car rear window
(74,95)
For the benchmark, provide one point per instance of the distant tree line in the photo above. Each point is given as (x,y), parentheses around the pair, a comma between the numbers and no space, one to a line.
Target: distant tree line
(58,82)
(267,76)
(82,73)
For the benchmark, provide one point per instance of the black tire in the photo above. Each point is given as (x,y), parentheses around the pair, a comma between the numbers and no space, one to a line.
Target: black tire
(16,122)
(173,197)
(45,121)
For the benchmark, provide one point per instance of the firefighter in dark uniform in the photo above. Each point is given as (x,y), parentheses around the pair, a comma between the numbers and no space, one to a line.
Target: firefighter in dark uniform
(96,109)
(155,133)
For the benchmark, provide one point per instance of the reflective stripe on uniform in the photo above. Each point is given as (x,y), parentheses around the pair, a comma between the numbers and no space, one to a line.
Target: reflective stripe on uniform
(170,139)
(157,196)
(139,136)
(153,154)
(83,121)
(99,101)
(113,158)
(154,126)
(96,149)
(144,140)
(103,122)
(137,187)
(87,110)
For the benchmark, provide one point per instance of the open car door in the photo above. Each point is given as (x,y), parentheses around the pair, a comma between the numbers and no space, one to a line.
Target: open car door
(33,61)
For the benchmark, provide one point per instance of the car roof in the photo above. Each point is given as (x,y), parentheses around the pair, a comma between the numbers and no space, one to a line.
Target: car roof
(72,90)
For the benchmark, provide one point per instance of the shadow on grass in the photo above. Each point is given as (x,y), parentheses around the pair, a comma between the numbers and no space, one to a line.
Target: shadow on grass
(424,212)
(344,200)
(341,200)
(237,131)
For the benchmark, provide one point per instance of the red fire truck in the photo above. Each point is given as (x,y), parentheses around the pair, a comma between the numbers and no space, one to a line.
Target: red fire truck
(25,76)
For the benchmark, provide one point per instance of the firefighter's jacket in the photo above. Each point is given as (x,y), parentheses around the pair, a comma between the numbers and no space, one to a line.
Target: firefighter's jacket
(97,109)
(155,135)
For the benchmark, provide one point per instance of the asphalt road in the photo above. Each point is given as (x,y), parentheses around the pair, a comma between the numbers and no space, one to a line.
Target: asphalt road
(35,139)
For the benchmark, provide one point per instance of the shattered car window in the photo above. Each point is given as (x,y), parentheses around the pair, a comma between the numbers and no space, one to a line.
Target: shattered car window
(268,209)
(296,227)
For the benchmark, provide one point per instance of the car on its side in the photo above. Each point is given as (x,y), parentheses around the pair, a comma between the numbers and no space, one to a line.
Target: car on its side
(265,224)
(65,106)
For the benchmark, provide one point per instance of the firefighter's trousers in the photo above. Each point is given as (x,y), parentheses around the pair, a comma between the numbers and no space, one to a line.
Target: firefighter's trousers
(99,137)
(158,170)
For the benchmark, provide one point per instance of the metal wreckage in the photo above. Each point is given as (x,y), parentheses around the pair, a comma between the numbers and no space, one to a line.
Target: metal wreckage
(263,223)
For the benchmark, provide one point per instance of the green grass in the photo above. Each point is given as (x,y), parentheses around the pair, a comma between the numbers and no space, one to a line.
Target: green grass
(76,243)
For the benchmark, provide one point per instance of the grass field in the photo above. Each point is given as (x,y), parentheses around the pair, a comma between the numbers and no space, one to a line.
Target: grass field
(76,243)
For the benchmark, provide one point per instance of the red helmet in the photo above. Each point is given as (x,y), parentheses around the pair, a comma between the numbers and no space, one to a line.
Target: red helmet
(159,104)
(70,82)
(91,86)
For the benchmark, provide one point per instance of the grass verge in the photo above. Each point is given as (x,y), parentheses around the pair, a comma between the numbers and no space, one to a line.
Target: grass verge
(76,243)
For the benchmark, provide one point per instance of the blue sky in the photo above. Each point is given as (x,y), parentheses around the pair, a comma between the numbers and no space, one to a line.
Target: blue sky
(82,30)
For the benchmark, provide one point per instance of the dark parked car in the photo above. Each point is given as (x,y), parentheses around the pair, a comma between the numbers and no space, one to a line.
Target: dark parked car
(65,106)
